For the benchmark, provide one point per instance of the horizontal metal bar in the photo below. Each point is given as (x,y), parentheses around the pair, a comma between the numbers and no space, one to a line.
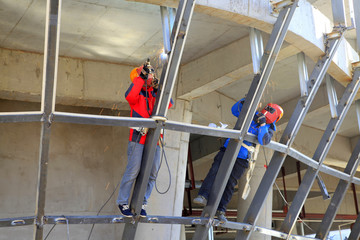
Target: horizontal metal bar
(109,219)
(18,221)
(8,117)
(112,219)
(103,120)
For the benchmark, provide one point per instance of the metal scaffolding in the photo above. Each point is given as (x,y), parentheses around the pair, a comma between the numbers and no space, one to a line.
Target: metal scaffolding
(262,69)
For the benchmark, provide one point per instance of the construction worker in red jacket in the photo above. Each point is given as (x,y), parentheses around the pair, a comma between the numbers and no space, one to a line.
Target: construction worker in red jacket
(141,97)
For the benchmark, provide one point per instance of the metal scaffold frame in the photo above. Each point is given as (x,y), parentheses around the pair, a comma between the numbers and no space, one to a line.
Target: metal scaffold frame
(262,69)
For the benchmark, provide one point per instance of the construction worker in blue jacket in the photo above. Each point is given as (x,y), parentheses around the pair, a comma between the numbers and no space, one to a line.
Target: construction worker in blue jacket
(263,126)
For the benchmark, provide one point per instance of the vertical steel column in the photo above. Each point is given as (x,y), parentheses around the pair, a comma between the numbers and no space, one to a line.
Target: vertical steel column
(356,4)
(168,77)
(167,19)
(339,194)
(288,137)
(257,49)
(320,153)
(357,106)
(338,10)
(303,74)
(249,108)
(333,101)
(51,50)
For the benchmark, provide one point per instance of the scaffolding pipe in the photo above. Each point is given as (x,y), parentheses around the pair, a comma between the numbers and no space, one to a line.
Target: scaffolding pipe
(51,52)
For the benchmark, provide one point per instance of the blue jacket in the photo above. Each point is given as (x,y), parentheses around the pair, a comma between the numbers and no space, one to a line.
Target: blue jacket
(263,133)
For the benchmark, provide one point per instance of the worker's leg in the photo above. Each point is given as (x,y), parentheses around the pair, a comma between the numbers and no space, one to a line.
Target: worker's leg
(236,173)
(210,177)
(153,174)
(134,152)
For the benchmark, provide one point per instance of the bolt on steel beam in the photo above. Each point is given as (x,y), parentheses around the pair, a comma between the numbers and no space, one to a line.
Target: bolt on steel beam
(303,74)
(320,153)
(288,137)
(51,53)
(166,86)
(249,108)
(257,48)
(339,194)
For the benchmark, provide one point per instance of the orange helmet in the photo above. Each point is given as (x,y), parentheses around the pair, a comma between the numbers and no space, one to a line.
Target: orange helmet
(133,74)
(272,112)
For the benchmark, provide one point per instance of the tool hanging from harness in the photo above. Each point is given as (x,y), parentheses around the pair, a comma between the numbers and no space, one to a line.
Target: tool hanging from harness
(253,153)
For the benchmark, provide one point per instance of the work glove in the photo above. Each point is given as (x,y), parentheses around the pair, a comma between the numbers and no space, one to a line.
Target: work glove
(261,119)
(155,83)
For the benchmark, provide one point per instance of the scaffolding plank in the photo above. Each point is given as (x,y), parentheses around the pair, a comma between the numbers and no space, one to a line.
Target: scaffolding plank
(249,108)
(51,51)
(14,117)
(339,194)
(166,86)
(288,137)
(320,153)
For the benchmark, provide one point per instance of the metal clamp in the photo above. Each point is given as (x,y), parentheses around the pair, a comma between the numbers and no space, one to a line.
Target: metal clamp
(61,220)
(277,7)
(196,221)
(153,220)
(17,222)
(159,118)
(118,220)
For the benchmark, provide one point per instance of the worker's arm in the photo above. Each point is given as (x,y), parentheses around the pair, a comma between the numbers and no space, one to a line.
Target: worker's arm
(265,134)
(132,94)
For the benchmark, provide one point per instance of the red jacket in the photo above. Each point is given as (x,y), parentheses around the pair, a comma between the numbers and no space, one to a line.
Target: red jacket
(141,102)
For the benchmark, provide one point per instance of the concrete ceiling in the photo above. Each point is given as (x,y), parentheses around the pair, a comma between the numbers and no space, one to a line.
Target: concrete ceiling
(129,32)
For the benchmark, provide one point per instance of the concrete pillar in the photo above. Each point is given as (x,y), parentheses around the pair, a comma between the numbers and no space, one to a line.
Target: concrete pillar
(265,217)
(170,203)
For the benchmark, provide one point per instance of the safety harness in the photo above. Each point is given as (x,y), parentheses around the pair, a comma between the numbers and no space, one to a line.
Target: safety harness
(252,153)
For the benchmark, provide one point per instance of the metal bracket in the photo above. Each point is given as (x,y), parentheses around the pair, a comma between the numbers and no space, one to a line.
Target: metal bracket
(278,6)
(18,222)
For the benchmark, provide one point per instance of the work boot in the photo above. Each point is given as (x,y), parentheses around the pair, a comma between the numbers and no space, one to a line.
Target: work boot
(200,200)
(125,210)
(143,212)
(221,216)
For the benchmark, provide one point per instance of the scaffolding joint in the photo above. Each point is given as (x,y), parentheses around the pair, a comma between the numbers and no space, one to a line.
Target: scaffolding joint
(276,7)
(18,222)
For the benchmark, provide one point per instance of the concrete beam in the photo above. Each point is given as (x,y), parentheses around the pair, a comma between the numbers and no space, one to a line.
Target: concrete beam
(305,33)
(220,68)
(80,82)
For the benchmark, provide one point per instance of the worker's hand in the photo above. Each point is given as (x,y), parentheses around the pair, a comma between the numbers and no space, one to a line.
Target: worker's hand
(261,120)
(155,83)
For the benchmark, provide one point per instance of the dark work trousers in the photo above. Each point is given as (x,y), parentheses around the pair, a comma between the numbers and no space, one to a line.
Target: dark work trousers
(238,170)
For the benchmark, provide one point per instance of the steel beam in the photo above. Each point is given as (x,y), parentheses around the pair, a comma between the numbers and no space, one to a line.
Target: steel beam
(338,10)
(19,221)
(356,5)
(167,19)
(339,194)
(166,86)
(80,118)
(321,152)
(288,137)
(249,108)
(333,101)
(355,231)
(51,51)
(303,74)
(8,117)
(357,106)
(257,48)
